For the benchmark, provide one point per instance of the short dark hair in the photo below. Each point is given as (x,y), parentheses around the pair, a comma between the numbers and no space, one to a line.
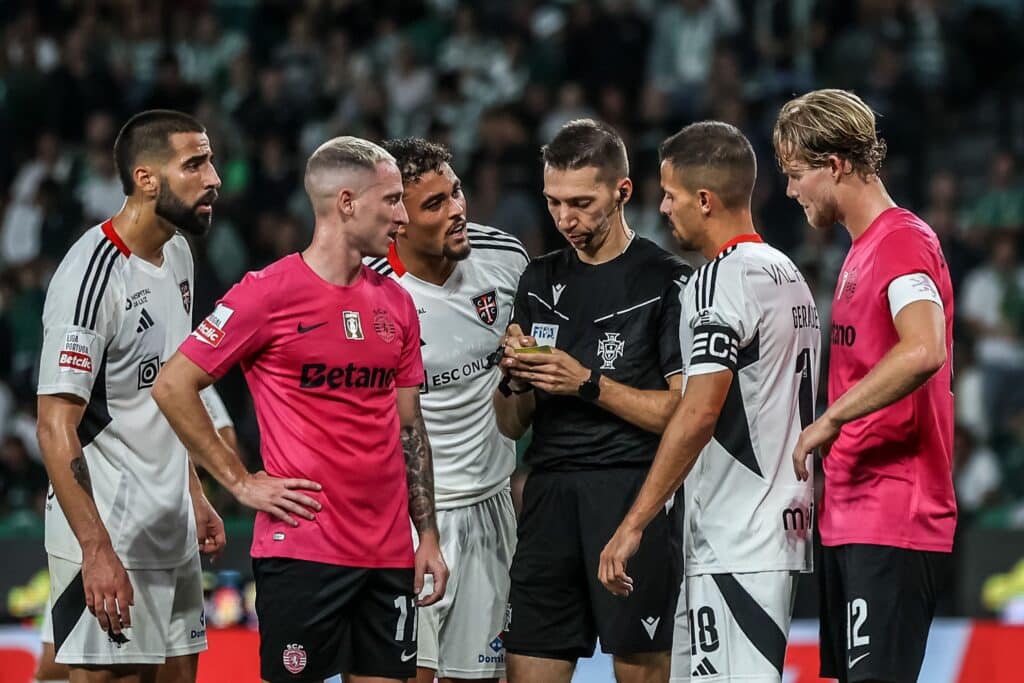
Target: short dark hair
(148,133)
(714,155)
(416,156)
(587,142)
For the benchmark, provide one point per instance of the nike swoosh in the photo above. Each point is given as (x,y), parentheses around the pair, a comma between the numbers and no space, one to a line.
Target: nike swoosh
(405,657)
(853,662)
(304,330)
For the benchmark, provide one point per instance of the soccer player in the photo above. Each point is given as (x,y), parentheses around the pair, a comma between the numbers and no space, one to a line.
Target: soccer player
(751,339)
(125,504)
(331,353)
(604,312)
(462,278)
(47,669)
(888,511)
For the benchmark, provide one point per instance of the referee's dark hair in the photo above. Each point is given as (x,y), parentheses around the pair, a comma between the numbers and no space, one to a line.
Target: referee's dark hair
(716,156)
(416,156)
(588,142)
(148,134)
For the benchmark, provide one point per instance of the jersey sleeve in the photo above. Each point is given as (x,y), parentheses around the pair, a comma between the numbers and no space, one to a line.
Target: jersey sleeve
(902,252)
(82,314)
(410,367)
(669,352)
(234,331)
(726,320)
(215,407)
(520,308)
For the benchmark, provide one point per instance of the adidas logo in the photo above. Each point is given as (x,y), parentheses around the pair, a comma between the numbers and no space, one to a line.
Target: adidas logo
(704,668)
(650,625)
(145,322)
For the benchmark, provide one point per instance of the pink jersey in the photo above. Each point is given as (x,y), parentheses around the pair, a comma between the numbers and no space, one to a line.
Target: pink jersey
(888,477)
(323,363)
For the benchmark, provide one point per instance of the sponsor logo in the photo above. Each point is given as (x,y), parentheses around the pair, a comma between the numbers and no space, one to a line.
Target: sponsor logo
(318,375)
(186,295)
(487,306)
(843,335)
(650,625)
(406,657)
(609,349)
(546,335)
(556,292)
(796,519)
(303,329)
(137,299)
(384,326)
(705,669)
(149,368)
(497,645)
(74,362)
(353,325)
(145,322)
(465,371)
(294,658)
(201,631)
(211,330)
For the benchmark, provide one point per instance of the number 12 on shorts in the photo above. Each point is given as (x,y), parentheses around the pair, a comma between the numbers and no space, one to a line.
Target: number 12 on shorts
(856,615)
(406,609)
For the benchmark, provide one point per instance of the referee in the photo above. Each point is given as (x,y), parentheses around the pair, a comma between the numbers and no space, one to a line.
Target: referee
(605,313)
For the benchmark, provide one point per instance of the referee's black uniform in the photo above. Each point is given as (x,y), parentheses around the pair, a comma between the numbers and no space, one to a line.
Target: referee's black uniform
(621,318)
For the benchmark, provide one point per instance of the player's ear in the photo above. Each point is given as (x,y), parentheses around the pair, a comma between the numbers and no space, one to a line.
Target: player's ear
(704,201)
(345,202)
(146,180)
(838,167)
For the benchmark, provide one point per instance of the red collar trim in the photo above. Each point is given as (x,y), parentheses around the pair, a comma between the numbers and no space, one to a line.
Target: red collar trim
(739,239)
(108,230)
(394,261)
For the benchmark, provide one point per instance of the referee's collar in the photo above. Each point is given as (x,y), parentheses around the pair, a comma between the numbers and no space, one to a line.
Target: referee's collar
(739,239)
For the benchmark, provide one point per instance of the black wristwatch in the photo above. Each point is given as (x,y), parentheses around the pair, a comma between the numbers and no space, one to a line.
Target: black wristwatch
(505,387)
(591,388)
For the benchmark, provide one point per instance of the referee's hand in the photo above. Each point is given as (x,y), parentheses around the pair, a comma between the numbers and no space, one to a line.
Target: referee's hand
(611,571)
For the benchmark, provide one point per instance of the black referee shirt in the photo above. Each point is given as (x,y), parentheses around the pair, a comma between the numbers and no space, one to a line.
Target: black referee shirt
(621,317)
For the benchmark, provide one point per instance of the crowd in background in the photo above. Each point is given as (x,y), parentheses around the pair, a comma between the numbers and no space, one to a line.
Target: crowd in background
(494,80)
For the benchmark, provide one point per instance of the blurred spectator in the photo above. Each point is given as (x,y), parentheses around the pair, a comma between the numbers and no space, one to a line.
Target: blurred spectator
(976,473)
(23,482)
(205,52)
(1001,206)
(170,90)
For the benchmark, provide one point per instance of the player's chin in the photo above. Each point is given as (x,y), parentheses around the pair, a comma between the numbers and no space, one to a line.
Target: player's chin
(457,250)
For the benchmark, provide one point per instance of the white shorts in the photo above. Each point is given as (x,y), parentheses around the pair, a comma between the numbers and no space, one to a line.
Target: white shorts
(460,636)
(167,618)
(733,627)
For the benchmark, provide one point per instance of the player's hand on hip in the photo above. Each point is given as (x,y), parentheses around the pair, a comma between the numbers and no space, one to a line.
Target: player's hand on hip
(611,571)
(209,528)
(279,497)
(430,561)
(556,372)
(108,590)
(819,435)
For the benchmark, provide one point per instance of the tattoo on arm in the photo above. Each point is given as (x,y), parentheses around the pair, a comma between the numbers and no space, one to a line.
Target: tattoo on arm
(419,471)
(80,470)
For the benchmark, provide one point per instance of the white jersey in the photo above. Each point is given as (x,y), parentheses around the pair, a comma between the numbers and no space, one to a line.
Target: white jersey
(110,321)
(462,323)
(749,311)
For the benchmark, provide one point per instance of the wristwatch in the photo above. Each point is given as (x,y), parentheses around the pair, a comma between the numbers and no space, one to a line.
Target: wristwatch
(591,388)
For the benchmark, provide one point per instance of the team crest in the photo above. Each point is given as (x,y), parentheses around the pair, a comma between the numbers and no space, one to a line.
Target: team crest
(609,349)
(487,306)
(186,295)
(294,658)
(353,325)
(848,285)
(383,325)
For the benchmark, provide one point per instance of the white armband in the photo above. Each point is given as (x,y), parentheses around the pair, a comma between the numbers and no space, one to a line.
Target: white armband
(907,289)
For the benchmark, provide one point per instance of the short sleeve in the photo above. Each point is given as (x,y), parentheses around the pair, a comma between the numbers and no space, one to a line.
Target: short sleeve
(726,321)
(215,407)
(80,318)
(904,251)
(233,332)
(410,367)
(520,308)
(670,355)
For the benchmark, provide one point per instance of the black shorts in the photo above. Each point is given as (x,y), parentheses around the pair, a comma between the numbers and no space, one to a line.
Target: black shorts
(557,607)
(318,620)
(877,604)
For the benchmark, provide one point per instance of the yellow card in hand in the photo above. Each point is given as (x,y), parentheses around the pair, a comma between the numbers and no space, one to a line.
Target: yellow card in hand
(534,349)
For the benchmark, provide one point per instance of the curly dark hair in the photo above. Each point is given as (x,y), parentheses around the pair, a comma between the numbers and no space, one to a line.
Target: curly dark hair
(416,156)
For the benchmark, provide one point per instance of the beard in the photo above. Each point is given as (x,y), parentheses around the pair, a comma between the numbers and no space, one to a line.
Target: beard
(172,209)
(460,253)
(825,215)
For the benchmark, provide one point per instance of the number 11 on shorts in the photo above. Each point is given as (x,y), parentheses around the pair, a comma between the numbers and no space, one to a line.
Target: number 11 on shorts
(406,608)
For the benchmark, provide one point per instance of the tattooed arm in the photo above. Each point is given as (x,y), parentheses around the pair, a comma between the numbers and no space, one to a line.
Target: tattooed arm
(419,472)
(108,592)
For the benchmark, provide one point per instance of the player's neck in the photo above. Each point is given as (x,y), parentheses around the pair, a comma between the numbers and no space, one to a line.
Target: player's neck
(332,258)
(142,231)
(430,269)
(725,229)
(614,244)
(865,202)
